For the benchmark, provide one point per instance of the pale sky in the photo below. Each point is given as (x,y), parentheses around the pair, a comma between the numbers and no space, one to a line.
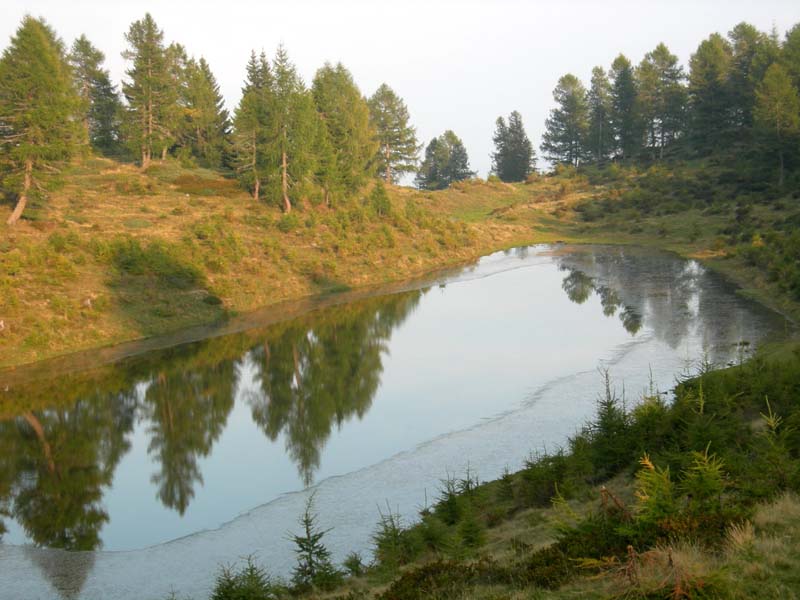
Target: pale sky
(457,64)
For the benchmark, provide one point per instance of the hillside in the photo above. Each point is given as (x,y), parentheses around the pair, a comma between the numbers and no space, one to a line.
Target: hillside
(116,254)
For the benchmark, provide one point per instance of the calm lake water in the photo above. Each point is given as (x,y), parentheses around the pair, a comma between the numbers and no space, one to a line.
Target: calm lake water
(132,479)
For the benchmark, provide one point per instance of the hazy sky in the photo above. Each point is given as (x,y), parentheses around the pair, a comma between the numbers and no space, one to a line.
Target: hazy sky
(458,65)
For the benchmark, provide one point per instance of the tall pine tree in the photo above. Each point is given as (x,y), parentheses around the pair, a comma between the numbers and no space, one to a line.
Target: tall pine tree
(397,139)
(38,110)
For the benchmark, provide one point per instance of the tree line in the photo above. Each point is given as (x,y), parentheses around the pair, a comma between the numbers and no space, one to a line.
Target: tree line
(285,141)
(739,95)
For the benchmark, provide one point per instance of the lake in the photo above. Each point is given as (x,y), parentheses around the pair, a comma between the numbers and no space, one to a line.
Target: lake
(130,479)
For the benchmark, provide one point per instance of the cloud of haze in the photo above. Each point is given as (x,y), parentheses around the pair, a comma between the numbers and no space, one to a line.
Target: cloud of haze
(457,64)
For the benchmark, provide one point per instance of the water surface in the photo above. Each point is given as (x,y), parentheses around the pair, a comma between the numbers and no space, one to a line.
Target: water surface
(131,479)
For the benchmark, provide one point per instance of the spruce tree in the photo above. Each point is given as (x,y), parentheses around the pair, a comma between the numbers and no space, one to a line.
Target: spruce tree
(397,139)
(38,110)
(314,567)
(345,115)
(777,113)
(457,167)
(85,61)
(146,89)
(445,162)
(100,107)
(514,157)
(250,125)
(600,135)
(208,120)
(624,118)
(566,129)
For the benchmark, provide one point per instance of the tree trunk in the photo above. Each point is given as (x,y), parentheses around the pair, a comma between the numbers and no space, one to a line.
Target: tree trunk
(23,197)
(163,154)
(36,425)
(287,205)
(256,189)
(388,174)
(781,169)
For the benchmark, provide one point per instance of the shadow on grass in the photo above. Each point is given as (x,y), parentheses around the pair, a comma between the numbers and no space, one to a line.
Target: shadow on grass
(158,289)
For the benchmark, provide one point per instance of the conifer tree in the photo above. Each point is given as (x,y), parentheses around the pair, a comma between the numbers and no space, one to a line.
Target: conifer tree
(600,139)
(777,113)
(709,97)
(146,91)
(85,61)
(314,567)
(751,54)
(566,129)
(38,110)
(174,106)
(100,108)
(624,119)
(293,129)
(445,162)
(250,125)
(514,157)
(208,120)
(397,139)
(790,54)
(661,98)
(345,115)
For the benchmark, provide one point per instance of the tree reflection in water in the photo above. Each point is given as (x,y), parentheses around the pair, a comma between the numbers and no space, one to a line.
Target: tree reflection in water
(322,372)
(59,453)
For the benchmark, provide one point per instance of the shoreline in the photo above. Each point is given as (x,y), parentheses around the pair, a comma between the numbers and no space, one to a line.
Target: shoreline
(68,361)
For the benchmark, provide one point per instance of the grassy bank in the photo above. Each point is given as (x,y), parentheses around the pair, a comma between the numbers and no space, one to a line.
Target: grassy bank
(117,255)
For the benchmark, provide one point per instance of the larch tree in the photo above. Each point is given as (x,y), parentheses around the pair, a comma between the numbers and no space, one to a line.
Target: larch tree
(661,98)
(790,54)
(624,117)
(446,162)
(752,52)
(38,110)
(147,89)
(345,115)
(600,137)
(250,125)
(709,97)
(513,158)
(397,140)
(777,113)
(293,129)
(566,129)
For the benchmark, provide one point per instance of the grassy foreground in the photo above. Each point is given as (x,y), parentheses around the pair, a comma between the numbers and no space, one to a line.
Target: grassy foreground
(117,255)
